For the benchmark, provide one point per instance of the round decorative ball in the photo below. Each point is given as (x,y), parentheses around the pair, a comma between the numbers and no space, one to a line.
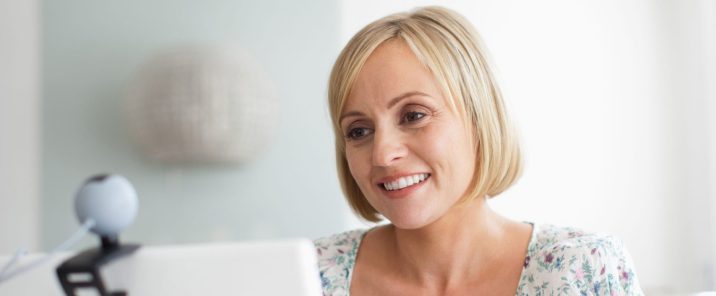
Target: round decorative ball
(110,200)
(202,106)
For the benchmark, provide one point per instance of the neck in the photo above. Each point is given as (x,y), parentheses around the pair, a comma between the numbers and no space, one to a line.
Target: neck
(457,247)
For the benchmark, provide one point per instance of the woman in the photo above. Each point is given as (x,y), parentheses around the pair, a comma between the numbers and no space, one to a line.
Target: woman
(423,139)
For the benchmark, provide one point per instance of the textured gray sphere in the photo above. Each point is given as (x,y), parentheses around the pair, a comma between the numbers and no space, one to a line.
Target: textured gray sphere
(110,200)
(202,105)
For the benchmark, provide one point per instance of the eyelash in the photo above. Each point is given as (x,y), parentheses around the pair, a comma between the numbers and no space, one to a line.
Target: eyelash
(350,135)
(420,114)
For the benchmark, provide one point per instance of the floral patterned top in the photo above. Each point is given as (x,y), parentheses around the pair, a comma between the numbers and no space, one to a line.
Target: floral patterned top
(559,261)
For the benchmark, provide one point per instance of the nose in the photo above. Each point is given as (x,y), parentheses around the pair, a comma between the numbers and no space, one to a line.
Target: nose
(388,147)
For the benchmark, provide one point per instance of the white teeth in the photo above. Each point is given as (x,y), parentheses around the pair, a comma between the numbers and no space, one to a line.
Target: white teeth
(405,182)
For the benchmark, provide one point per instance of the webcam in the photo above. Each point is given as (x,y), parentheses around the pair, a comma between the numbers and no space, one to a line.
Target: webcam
(110,201)
(105,204)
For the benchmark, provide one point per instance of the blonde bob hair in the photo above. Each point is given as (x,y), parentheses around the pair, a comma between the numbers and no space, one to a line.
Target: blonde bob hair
(448,45)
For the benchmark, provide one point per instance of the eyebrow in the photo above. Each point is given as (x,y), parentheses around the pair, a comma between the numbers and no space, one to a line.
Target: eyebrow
(391,103)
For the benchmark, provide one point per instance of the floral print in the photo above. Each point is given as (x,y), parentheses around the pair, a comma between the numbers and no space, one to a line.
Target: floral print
(559,261)
(336,257)
(568,261)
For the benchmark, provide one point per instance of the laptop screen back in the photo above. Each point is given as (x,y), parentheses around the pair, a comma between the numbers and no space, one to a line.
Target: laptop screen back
(252,268)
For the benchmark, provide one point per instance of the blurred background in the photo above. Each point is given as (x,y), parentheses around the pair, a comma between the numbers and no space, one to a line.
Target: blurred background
(615,102)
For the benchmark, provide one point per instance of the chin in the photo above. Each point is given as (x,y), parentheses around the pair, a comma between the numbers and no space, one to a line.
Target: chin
(409,222)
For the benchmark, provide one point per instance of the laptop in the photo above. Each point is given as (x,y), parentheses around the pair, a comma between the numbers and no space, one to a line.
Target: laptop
(286,267)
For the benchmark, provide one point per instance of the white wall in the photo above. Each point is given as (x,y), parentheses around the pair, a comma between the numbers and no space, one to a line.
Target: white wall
(612,125)
(92,49)
(708,20)
(19,122)
(695,75)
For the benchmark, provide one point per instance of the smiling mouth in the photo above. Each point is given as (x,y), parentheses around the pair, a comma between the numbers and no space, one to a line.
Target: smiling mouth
(405,182)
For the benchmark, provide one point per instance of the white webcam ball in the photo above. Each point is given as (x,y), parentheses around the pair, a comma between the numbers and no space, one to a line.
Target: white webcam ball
(109,200)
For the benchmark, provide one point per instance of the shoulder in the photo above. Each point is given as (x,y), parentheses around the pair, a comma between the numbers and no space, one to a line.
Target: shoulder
(550,238)
(336,257)
(572,261)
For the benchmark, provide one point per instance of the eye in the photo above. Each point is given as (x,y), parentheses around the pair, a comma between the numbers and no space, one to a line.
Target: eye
(412,116)
(357,133)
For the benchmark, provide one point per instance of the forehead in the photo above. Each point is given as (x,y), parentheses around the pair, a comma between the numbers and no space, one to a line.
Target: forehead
(391,70)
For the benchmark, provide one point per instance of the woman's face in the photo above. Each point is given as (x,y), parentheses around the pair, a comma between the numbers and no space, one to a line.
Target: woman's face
(410,154)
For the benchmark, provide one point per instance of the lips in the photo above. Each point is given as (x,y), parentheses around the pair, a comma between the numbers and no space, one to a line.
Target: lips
(404,181)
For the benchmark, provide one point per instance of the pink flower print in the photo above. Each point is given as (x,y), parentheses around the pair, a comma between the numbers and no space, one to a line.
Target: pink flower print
(580,274)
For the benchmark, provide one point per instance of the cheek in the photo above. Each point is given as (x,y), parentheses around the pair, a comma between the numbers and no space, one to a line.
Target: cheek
(357,164)
(438,143)
(465,152)
(450,148)
(464,157)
